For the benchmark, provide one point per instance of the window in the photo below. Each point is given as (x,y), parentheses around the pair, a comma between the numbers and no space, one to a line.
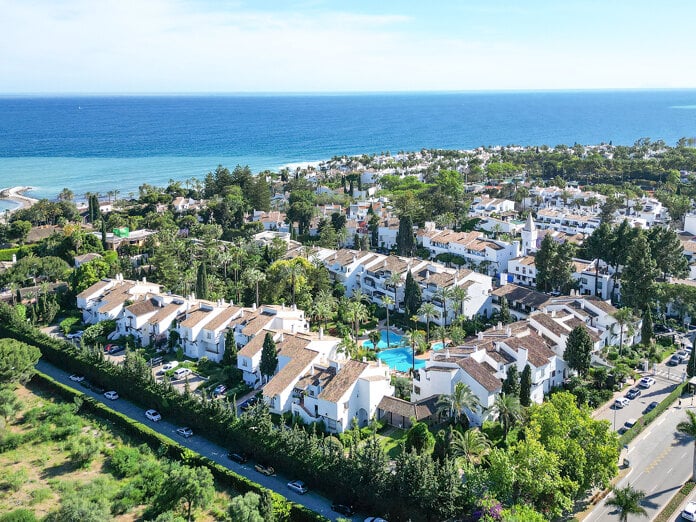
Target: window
(416,390)
(245,363)
(209,335)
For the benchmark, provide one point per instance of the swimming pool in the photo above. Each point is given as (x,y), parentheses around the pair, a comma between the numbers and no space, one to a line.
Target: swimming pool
(400,359)
(437,346)
(394,340)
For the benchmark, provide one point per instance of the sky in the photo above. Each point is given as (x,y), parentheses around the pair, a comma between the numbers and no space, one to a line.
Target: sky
(226,46)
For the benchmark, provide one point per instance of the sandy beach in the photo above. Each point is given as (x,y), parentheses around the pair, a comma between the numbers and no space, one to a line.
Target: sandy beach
(16,194)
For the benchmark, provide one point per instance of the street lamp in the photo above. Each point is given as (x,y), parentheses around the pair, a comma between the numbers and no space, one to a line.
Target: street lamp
(615,408)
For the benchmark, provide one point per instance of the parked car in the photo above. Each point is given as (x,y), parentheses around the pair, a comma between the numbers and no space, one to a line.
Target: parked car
(75,335)
(185,432)
(77,378)
(650,407)
(343,509)
(219,389)
(298,487)
(683,355)
(113,348)
(674,360)
(621,402)
(111,395)
(689,512)
(633,393)
(249,403)
(264,470)
(153,415)
(239,458)
(646,382)
(170,366)
(181,373)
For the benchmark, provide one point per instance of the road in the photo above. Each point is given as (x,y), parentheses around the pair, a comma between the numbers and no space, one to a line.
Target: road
(200,445)
(660,458)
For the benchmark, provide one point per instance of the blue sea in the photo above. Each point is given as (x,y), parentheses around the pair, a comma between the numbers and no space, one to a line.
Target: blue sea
(103,143)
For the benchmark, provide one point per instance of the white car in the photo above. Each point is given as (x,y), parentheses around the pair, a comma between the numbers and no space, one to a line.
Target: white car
(170,366)
(621,402)
(77,378)
(75,335)
(689,512)
(153,415)
(185,432)
(298,486)
(646,382)
(111,395)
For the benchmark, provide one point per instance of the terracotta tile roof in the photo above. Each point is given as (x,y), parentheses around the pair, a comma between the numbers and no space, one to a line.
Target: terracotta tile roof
(500,357)
(300,358)
(538,351)
(164,313)
(320,377)
(481,374)
(256,324)
(604,306)
(347,375)
(95,288)
(224,317)
(115,297)
(550,324)
(194,317)
(255,345)
(522,296)
(144,307)
(85,258)
(420,410)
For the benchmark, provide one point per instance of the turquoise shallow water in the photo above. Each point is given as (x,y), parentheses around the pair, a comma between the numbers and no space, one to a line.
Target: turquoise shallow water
(101,143)
(400,359)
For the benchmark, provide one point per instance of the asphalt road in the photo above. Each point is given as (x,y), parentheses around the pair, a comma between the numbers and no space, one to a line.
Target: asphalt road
(660,458)
(200,445)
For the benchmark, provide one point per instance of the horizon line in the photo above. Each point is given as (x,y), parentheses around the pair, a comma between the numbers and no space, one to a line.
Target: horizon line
(57,94)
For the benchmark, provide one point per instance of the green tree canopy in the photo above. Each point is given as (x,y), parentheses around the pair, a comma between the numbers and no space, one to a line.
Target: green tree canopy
(17,361)
(269,357)
(578,351)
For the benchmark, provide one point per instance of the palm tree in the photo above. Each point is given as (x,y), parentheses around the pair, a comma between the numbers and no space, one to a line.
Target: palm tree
(440,332)
(254,276)
(395,282)
(357,313)
(507,410)
(460,295)
(461,400)
(387,302)
(623,317)
(348,346)
(627,501)
(473,445)
(688,427)
(293,270)
(325,305)
(358,296)
(443,294)
(428,311)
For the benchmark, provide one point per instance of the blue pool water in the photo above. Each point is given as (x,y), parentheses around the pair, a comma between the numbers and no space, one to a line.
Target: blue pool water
(394,340)
(437,346)
(400,359)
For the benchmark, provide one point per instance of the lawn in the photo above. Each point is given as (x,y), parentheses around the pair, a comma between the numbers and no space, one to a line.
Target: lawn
(391,439)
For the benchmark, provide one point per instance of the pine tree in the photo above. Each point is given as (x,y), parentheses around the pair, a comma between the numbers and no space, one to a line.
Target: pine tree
(202,282)
(511,384)
(646,330)
(638,277)
(578,351)
(526,386)
(544,261)
(269,357)
(412,295)
(405,240)
(667,252)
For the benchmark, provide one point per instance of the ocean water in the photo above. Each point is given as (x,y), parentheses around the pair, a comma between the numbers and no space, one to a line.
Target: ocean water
(102,143)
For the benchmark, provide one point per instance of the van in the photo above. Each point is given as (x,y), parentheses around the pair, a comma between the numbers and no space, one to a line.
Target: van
(181,373)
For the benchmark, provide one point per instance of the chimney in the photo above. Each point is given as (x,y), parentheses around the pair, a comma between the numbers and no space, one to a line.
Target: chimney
(281,338)
(447,355)
(253,307)
(479,336)
(292,328)
(321,333)
(508,331)
(553,313)
(144,279)
(499,326)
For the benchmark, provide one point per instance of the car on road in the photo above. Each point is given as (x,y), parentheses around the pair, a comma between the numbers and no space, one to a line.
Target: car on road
(219,389)
(111,395)
(153,415)
(75,335)
(77,378)
(170,366)
(185,432)
(674,360)
(621,402)
(343,509)
(239,458)
(689,512)
(683,355)
(630,423)
(249,403)
(650,407)
(646,382)
(298,487)
(633,393)
(113,348)
(264,470)
(181,373)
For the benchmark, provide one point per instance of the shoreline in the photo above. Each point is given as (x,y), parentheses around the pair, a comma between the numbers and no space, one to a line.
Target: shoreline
(16,195)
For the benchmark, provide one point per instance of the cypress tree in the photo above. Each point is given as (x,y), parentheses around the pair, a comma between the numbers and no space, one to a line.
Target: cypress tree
(103,233)
(269,357)
(505,317)
(511,384)
(578,350)
(526,386)
(412,295)
(691,366)
(646,330)
(544,261)
(405,240)
(638,277)
(202,282)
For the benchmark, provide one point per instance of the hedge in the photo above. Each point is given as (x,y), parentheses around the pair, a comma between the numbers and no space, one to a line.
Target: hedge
(646,419)
(173,450)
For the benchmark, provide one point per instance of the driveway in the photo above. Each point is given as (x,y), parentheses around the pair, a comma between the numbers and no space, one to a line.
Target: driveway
(202,446)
